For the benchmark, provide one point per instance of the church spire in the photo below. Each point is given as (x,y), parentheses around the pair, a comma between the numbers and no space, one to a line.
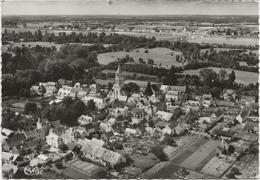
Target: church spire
(118,72)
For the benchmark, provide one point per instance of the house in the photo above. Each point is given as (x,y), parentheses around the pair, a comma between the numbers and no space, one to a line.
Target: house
(229,95)
(105,127)
(161,124)
(164,88)
(85,119)
(130,131)
(9,169)
(138,115)
(243,115)
(7,132)
(98,142)
(180,129)
(111,121)
(98,101)
(120,111)
(169,129)
(218,115)
(107,136)
(70,135)
(207,100)
(166,116)
(247,100)
(8,157)
(193,105)
(172,95)
(12,141)
(100,154)
(252,127)
(50,88)
(39,160)
(134,98)
(37,90)
(35,134)
(53,139)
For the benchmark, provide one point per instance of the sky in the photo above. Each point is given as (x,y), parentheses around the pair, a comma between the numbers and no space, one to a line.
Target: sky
(127,7)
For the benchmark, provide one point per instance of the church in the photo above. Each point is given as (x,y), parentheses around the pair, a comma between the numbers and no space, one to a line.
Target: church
(116,92)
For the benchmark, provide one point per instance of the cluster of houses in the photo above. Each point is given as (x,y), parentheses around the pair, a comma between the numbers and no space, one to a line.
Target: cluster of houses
(166,112)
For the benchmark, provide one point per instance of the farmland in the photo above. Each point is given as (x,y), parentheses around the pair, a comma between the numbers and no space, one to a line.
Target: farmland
(163,56)
(242,77)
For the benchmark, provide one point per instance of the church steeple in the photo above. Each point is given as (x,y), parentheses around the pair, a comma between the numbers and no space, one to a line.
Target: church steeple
(119,82)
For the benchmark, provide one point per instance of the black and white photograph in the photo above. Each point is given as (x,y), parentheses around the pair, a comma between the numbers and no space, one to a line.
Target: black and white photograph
(129,89)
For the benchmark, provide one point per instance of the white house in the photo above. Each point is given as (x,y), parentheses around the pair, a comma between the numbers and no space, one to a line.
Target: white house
(164,115)
(243,115)
(85,119)
(98,101)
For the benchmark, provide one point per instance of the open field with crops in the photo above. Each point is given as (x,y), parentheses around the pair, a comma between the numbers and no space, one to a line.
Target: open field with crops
(163,56)
(242,77)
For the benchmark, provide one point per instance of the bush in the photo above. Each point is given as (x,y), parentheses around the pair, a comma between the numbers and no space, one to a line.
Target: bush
(158,152)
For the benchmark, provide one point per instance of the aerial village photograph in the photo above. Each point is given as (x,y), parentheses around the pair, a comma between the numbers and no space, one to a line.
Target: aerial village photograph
(127,89)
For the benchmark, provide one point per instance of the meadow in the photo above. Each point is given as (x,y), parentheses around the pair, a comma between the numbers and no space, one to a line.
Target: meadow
(163,56)
(242,77)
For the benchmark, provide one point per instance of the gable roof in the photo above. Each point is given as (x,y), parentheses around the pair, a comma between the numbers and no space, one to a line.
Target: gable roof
(100,152)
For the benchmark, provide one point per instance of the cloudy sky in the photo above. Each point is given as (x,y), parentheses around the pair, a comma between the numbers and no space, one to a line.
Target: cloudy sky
(126,7)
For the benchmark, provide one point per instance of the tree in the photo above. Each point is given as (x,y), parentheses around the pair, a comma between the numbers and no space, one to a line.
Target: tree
(78,107)
(150,61)
(158,152)
(130,88)
(148,90)
(24,92)
(30,108)
(63,147)
(91,106)
(222,74)
(208,77)
(232,77)
(109,86)
(215,92)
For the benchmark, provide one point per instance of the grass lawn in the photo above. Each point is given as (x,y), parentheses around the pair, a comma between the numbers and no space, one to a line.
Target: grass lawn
(163,56)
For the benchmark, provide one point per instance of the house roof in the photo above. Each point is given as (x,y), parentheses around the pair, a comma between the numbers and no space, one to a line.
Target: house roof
(178,88)
(6,131)
(100,152)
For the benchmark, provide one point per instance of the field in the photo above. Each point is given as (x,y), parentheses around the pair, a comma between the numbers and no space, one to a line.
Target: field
(80,169)
(242,77)
(216,166)
(199,158)
(221,40)
(163,56)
